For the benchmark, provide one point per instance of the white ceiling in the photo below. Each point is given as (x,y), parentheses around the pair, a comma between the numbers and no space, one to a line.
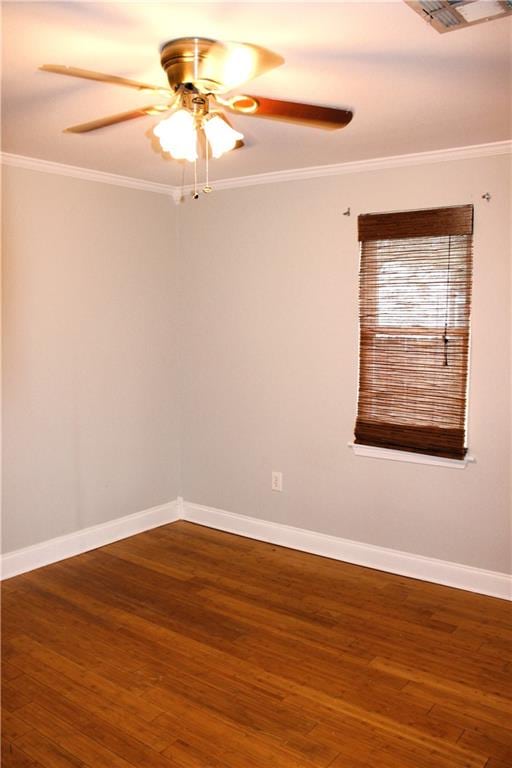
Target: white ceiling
(411,89)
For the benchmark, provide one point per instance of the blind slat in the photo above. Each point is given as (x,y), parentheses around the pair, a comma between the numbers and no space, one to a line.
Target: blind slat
(415,296)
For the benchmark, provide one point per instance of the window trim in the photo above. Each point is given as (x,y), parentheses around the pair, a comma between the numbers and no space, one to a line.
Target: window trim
(391,454)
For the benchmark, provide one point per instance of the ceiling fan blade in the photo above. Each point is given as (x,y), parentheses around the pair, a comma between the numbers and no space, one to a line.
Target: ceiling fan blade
(86,74)
(328,118)
(102,122)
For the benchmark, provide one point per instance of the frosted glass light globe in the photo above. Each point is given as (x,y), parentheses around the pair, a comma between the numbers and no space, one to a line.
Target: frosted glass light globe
(178,135)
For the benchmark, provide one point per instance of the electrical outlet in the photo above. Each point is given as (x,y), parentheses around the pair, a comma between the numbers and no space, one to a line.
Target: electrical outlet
(277,481)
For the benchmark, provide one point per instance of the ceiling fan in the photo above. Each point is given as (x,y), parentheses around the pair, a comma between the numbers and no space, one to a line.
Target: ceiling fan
(201,72)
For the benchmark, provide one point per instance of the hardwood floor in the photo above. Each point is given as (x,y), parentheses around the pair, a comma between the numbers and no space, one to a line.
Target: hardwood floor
(185,647)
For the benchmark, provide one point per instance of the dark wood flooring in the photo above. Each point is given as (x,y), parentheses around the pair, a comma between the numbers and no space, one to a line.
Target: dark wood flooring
(185,647)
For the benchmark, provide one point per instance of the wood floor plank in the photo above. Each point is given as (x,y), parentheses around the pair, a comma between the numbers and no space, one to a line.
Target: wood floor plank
(457,700)
(185,647)
(9,672)
(494,763)
(45,687)
(442,713)
(14,695)
(13,757)
(13,725)
(187,755)
(49,666)
(73,741)
(413,675)
(126,736)
(233,744)
(50,755)
(486,746)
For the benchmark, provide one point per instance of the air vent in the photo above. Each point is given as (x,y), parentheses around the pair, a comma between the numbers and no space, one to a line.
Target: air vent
(446,15)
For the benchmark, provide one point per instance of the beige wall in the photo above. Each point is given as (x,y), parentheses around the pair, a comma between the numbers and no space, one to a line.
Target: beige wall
(255,321)
(270,336)
(90,331)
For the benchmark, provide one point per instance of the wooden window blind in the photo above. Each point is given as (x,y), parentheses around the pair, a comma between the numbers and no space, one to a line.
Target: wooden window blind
(415,298)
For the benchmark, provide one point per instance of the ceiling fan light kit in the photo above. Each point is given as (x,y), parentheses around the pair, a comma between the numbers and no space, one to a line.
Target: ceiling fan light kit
(200,72)
(221,137)
(178,135)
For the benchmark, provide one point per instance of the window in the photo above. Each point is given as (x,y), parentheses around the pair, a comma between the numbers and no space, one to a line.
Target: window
(415,296)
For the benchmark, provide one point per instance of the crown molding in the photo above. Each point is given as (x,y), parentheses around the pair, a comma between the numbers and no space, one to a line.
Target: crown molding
(178,194)
(361,166)
(88,174)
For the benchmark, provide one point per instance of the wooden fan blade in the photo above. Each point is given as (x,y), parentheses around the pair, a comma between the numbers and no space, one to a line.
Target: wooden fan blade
(102,122)
(328,118)
(86,74)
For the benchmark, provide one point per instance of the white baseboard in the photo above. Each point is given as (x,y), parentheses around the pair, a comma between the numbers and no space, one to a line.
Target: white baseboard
(430,569)
(443,572)
(53,550)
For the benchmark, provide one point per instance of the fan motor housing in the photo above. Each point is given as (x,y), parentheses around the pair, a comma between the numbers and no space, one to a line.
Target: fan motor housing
(196,60)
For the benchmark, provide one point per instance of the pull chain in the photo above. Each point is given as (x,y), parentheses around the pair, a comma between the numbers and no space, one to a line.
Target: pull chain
(196,193)
(207,187)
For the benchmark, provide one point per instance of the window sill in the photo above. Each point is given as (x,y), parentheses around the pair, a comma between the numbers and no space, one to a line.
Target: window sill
(372,452)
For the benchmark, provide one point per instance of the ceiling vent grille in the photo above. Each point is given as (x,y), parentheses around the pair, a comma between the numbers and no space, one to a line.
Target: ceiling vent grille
(447,15)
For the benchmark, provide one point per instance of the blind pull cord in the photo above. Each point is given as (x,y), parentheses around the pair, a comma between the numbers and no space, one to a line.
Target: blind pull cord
(445,336)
